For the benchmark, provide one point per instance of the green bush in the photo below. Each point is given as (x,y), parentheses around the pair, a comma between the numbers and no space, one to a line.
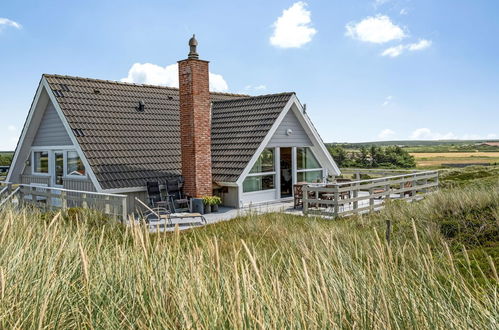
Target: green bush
(373,157)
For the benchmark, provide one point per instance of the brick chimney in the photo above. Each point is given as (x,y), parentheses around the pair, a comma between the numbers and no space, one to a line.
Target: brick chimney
(195,123)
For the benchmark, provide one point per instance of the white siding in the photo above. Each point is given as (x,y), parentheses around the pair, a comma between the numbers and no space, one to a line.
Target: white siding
(51,131)
(230,198)
(259,197)
(298,137)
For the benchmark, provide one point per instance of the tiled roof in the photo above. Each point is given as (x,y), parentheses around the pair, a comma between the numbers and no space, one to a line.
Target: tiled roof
(127,148)
(238,128)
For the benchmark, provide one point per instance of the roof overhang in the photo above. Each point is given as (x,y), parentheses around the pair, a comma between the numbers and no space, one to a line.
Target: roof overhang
(320,148)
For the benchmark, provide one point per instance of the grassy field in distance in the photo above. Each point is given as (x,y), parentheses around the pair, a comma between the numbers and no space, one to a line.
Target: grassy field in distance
(431,159)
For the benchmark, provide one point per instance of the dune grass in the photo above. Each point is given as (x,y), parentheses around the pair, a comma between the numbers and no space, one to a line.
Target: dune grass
(77,270)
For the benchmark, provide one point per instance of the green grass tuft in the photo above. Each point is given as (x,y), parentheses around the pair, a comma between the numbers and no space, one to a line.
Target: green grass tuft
(78,269)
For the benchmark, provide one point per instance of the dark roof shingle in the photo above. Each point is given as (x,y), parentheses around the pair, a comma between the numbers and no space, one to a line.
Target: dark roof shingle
(127,148)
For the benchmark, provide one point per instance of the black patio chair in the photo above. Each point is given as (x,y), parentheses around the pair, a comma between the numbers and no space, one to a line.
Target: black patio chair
(174,188)
(155,197)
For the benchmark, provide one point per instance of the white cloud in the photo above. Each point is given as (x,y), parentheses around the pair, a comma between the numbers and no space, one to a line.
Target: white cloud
(378,3)
(256,88)
(7,22)
(400,49)
(12,128)
(427,134)
(393,51)
(387,101)
(292,29)
(422,44)
(377,29)
(218,83)
(386,133)
(404,11)
(490,136)
(148,73)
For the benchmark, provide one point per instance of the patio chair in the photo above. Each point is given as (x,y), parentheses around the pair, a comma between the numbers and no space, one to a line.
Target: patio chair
(167,215)
(408,184)
(174,188)
(344,194)
(298,195)
(155,197)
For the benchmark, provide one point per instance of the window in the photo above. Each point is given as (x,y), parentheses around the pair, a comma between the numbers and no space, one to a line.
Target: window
(259,182)
(41,162)
(264,163)
(310,176)
(262,175)
(75,166)
(306,159)
(308,167)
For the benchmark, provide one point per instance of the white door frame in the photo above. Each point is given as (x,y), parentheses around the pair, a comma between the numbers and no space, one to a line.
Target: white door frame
(52,167)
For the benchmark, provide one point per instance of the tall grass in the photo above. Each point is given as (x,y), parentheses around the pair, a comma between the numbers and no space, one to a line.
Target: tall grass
(271,271)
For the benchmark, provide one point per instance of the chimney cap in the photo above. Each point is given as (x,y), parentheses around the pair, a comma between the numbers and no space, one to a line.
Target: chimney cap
(193,54)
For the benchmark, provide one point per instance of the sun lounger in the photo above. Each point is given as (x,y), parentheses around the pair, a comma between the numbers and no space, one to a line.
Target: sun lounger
(164,214)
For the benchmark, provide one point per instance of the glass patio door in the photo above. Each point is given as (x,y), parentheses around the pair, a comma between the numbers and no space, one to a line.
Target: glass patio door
(58,169)
(57,175)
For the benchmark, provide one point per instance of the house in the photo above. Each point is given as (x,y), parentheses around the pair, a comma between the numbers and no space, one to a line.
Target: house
(489,144)
(113,137)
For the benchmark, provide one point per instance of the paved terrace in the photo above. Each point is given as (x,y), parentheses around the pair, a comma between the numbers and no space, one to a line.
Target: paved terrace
(226,213)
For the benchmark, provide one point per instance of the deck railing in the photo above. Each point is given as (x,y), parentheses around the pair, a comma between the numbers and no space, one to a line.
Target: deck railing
(350,197)
(58,198)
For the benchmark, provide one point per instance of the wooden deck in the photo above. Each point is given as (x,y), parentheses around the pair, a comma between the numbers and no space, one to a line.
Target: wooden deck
(50,198)
(329,200)
(357,196)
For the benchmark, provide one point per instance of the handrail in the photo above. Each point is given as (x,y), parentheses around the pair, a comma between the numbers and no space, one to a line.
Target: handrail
(353,169)
(340,198)
(71,191)
(379,179)
(10,196)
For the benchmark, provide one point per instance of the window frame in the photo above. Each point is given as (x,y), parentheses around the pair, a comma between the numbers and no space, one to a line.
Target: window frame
(308,169)
(72,176)
(49,161)
(311,170)
(261,174)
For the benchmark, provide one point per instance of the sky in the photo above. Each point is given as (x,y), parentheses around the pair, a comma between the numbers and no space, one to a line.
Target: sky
(367,69)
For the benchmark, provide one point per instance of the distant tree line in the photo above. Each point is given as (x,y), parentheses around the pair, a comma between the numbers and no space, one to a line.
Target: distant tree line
(372,157)
(5,159)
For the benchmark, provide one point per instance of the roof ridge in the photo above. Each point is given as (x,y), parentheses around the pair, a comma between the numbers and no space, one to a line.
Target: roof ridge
(132,84)
(257,96)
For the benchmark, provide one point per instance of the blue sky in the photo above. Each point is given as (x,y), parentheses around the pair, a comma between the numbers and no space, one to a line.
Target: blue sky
(367,69)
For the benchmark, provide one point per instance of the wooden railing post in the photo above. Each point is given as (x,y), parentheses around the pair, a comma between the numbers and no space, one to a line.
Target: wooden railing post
(305,199)
(371,198)
(387,190)
(414,188)
(84,203)
(64,201)
(48,198)
(106,205)
(124,210)
(336,201)
(355,195)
